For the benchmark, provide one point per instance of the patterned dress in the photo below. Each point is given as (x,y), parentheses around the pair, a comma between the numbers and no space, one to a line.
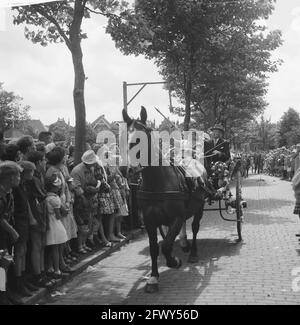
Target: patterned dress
(124,189)
(105,202)
(66,200)
(112,174)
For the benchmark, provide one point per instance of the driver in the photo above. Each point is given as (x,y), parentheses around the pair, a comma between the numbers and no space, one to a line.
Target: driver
(216,149)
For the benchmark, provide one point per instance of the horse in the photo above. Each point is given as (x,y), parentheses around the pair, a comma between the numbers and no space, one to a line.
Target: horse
(165,200)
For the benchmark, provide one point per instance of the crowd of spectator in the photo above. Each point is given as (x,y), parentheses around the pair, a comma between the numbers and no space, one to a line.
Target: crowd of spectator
(281,162)
(52,212)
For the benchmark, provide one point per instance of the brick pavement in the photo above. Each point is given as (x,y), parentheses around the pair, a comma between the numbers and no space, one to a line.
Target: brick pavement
(258,271)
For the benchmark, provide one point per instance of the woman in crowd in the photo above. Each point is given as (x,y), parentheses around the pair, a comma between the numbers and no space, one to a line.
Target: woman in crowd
(23,220)
(37,196)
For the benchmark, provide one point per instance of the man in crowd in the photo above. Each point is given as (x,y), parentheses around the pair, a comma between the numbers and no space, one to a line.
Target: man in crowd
(9,179)
(46,137)
(86,188)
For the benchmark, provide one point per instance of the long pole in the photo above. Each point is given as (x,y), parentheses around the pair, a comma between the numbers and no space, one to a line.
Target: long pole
(125,95)
(166,118)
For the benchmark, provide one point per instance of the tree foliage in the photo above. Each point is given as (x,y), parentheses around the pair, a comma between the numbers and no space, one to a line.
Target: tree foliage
(289,128)
(215,56)
(58,22)
(90,134)
(12,111)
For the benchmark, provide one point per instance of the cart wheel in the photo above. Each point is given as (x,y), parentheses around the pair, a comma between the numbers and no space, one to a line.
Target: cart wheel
(239,211)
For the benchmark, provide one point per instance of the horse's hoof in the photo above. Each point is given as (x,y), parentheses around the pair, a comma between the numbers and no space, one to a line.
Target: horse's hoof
(151,288)
(193,259)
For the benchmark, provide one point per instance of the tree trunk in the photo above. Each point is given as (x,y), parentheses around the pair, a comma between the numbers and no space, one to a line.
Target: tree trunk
(78,91)
(79,104)
(188,92)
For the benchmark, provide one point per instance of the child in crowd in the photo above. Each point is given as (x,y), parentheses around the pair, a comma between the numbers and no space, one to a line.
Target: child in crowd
(124,190)
(56,234)
(56,161)
(105,203)
(112,174)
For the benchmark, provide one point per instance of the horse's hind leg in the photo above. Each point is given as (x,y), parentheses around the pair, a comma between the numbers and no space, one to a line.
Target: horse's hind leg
(184,243)
(168,242)
(152,283)
(193,258)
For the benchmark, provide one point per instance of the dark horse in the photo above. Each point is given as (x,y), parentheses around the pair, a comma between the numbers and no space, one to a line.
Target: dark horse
(165,200)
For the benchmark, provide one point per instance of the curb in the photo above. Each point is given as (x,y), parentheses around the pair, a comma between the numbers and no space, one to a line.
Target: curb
(92,259)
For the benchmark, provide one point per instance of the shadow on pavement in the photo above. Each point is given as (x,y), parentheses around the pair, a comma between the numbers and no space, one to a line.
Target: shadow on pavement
(259,212)
(188,282)
(254,182)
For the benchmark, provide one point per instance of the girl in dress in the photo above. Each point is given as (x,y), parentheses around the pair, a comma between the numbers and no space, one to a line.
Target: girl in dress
(124,190)
(56,161)
(56,235)
(112,175)
(105,203)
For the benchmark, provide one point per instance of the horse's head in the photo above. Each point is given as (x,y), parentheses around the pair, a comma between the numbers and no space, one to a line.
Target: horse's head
(138,134)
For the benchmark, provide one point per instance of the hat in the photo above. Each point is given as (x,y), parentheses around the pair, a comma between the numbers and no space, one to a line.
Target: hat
(218,127)
(89,157)
(27,165)
(49,147)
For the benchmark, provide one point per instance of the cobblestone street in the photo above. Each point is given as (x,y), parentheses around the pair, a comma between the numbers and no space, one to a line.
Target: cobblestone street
(258,271)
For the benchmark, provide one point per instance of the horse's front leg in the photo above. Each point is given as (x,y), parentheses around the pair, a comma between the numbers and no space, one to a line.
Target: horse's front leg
(152,283)
(167,245)
(184,243)
(193,258)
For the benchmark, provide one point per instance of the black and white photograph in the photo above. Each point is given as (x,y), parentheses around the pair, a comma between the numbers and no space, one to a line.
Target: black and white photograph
(149,155)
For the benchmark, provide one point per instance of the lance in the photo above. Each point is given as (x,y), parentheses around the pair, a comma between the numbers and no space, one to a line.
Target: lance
(166,118)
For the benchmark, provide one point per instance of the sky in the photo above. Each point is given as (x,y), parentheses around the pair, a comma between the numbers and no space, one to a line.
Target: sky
(43,76)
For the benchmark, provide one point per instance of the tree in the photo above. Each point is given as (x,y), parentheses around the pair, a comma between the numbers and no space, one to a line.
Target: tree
(258,133)
(289,128)
(61,22)
(217,46)
(12,112)
(90,134)
(61,130)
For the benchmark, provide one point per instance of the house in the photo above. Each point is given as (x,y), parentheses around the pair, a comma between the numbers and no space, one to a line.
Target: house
(27,127)
(101,124)
(35,125)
